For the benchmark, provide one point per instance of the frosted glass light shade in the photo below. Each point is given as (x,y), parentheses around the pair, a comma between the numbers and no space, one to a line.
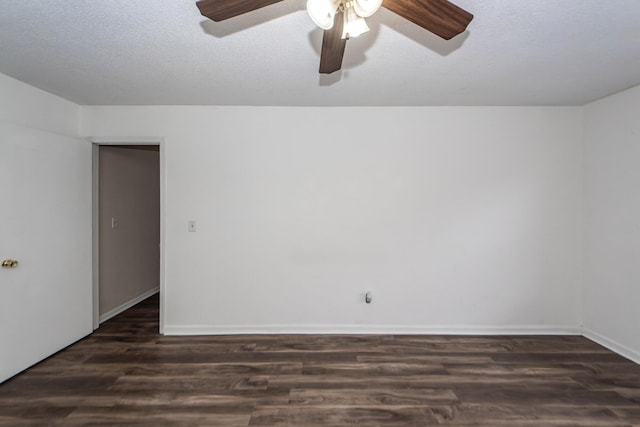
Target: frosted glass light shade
(322,12)
(354,25)
(366,8)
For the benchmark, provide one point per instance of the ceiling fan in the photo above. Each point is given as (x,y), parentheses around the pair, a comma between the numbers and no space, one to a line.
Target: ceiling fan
(342,19)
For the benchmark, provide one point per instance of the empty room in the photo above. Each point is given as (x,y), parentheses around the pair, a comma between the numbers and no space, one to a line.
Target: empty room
(320,213)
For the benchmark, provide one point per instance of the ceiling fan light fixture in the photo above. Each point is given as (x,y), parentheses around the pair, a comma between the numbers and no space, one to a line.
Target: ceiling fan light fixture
(354,25)
(441,17)
(322,12)
(366,8)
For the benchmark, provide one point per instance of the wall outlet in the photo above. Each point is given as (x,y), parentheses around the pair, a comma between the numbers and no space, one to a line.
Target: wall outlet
(368,297)
(115,222)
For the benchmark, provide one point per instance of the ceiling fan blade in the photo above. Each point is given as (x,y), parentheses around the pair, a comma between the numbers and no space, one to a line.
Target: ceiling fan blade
(441,17)
(332,47)
(219,10)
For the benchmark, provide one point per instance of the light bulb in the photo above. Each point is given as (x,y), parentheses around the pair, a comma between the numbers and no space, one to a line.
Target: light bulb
(354,25)
(322,12)
(366,8)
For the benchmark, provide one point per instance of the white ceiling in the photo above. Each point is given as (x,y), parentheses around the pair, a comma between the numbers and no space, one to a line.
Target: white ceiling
(163,52)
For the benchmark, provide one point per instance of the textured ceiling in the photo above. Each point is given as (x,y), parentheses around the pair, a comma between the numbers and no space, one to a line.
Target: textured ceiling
(124,52)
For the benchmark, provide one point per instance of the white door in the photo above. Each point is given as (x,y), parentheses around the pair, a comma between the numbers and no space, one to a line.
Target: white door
(45,224)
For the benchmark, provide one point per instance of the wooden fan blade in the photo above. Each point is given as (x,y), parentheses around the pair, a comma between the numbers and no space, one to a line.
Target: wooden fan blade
(441,17)
(219,10)
(332,47)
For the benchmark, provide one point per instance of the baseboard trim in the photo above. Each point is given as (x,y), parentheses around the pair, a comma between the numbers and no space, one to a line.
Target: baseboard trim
(623,350)
(612,345)
(369,329)
(119,309)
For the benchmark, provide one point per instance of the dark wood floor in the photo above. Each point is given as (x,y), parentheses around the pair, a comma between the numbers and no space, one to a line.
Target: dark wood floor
(127,374)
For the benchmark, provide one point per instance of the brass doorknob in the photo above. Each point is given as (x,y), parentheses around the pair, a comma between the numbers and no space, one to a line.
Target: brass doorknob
(9,263)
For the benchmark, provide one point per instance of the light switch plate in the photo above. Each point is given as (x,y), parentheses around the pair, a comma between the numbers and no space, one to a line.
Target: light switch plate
(192,226)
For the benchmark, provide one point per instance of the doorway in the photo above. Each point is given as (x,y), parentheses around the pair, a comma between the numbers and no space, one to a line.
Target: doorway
(127,225)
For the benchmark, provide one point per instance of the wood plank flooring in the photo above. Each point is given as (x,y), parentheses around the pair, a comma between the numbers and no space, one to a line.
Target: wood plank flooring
(127,374)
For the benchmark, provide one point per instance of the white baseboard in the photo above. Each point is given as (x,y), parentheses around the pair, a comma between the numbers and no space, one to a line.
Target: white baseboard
(402,330)
(119,309)
(622,350)
(369,329)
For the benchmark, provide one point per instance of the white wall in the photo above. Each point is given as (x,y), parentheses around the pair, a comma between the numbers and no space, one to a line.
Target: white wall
(27,106)
(612,251)
(458,219)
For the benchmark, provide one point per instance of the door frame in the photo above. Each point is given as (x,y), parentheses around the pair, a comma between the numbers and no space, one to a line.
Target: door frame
(96,143)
